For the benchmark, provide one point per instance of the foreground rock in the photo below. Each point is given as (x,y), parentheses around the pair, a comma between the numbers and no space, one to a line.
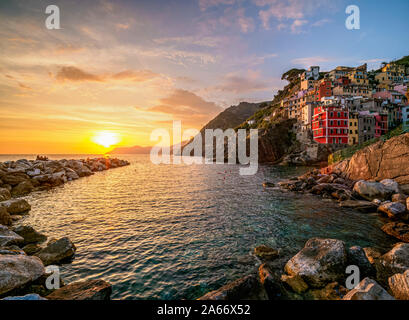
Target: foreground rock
(399,285)
(16,206)
(247,288)
(372,190)
(30,235)
(382,160)
(368,289)
(8,237)
(320,262)
(393,262)
(4,194)
(5,218)
(363,206)
(57,251)
(265,253)
(394,210)
(399,230)
(18,270)
(357,257)
(84,290)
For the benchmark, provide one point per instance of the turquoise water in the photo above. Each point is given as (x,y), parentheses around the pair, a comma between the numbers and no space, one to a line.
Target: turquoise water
(177,232)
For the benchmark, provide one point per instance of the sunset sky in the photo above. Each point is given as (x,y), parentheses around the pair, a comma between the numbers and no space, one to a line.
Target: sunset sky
(128,67)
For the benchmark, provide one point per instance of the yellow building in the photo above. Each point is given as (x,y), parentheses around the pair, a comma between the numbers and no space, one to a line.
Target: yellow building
(392,73)
(353,136)
(359,75)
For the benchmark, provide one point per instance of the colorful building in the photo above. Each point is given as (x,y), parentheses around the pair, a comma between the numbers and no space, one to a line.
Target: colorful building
(330,125)
(405,118)
(353,136)
(381,124)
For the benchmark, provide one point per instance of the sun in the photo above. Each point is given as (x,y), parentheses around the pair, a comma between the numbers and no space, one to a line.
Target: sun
(106,138)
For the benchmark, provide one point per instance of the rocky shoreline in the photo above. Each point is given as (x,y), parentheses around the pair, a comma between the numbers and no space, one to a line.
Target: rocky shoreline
(24,252)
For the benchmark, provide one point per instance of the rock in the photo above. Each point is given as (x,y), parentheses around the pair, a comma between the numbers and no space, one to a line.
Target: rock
(22,189)
(399,230)
(332,291)
(273,286)
(33,173)
(246,288)
(392,262)
(328,188)
(11,250)
(16,206)
(71,174)
(17,271)
(320,262)
(357,257)
(377,202)
(83,290)
(372,190)
(399,197)
(393,210)
(5,218)
(399,285)
(382,160)
(8,237)
(407,203)
(57,251)
(4,194)
(391,185)
(31,296)
(14,178)
(31,248)
(324,179)
(296,283)
(363,206)
(372,254)
(30,235)
(265,253)
(368,289)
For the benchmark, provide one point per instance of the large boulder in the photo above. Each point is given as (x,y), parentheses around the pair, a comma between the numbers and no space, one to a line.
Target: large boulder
(8,237)
(368,289)
(394,210)
(372,190)
(399,230)
(83,290)
(16,206)
(71,174)
(18,270)
(360,205)
(392,262)
(14,178)
(4,194)
(357,257)
(30,235)
(392,185)
(382,160)
(265,253)
(22,189)
(399,285)
(57,251)
(320,262)
(246,288)
(5,218)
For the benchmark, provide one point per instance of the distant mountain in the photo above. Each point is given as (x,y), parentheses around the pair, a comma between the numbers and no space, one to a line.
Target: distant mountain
(131,150)
(234,116)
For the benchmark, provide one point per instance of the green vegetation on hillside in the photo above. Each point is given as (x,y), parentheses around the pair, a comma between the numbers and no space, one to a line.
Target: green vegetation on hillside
(351,150)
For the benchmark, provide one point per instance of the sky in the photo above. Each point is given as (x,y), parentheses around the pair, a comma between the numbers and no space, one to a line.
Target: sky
(124,68)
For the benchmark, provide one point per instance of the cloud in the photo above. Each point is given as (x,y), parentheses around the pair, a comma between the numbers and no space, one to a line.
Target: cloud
(321,22)
(237,83)
(290,9)
(75,74)
(297,24)
(310,61)
(186,106)
(205,4)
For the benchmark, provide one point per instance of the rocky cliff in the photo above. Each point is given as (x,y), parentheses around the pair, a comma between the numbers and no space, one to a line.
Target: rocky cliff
(382,160)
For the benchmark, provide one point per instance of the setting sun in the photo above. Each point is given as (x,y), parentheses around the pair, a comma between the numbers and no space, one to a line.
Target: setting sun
(106,138)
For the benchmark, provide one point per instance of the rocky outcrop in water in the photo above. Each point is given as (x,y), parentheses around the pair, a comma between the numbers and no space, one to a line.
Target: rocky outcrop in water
(382,160)
(83,290)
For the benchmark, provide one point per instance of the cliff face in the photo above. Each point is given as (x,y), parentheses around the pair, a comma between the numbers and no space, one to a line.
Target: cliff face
(274,142)
(382,160)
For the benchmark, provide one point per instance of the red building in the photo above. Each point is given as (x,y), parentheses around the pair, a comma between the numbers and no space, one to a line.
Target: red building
(330,125)
(381,125)
(325,89)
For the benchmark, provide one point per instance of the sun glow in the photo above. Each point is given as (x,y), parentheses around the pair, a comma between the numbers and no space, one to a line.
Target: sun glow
(106,138)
